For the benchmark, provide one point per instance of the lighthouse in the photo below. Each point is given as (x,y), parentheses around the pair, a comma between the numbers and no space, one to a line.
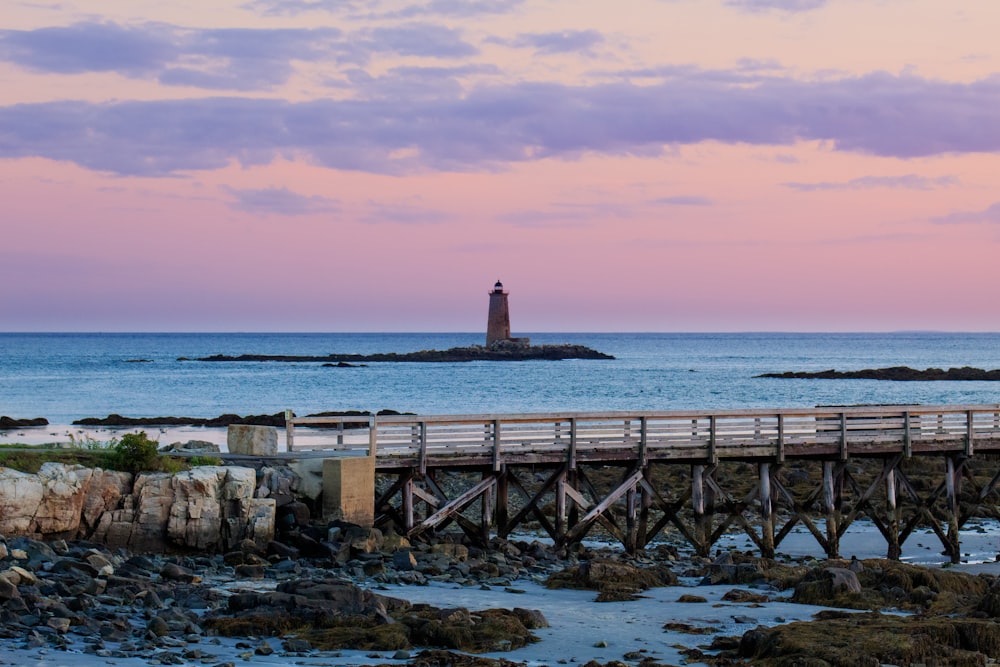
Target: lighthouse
(498,324)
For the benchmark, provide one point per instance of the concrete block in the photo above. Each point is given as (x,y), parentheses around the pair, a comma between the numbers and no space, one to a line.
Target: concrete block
(252,440)
(349,489)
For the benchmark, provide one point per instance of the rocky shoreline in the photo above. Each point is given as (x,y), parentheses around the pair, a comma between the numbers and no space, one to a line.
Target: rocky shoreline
(895,374)
(314,595)
(455,354)
(190,590)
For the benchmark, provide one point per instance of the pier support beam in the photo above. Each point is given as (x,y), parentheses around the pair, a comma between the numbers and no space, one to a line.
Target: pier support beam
(831,508)
(892,511)
(503,503)
(953,483)
(702,517)
(766,514)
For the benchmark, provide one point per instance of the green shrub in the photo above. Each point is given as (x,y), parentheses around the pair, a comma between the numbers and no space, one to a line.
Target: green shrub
(173,464)
(134,453)
(204,461)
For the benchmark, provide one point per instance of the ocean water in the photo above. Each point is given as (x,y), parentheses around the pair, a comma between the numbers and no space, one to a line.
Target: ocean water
(64,377)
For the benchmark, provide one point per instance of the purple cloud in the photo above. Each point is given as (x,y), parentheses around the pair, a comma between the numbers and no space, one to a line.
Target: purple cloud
(780,5)
(565,214)
(227,59)
(411,82)
(404,214)
(454,8)
(296,7)
(421,39)
(565,41)
(493,125)
(234,59)
(91,47)
(379,10)
(990,214)
(280,201)
(683,200)
(906,182)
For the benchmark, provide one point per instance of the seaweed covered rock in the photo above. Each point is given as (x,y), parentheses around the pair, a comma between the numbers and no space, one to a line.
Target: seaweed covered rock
(740,569)
(484,631)
(614,580)
(887,583)
(841,639)
(331,614)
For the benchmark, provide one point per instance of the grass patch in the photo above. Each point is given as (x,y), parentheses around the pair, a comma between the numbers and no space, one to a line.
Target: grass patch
(31,461)
(134,453)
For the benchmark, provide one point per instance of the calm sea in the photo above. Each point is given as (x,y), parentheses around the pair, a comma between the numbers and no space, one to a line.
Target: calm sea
(63,377)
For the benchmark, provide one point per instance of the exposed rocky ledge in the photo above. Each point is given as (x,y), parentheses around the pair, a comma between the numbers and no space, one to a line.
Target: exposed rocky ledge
(208,508)
(894,373)
(9,422)
(276,420)
(471,353)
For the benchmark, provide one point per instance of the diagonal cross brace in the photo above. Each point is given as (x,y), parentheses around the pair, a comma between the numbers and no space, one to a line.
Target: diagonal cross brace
(598,510)
(454,506)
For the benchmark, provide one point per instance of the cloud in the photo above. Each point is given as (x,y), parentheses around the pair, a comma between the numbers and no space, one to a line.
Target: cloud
(383,10)
(280,201)
(410,82)
(989,214)
(454,8)
(683,200)
(421,39)
(217,59)
(91,47)
(565,214)
(779,5)
(493,125)
(403,213)
(565,41)
(905,182)
(296,7)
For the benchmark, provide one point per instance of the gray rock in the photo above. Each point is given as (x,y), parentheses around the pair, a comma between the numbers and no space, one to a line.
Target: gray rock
(60,625)
(8,590)
(296,645)
(843,580)
(158,626)
(192,446)
(404,560)
(252,440)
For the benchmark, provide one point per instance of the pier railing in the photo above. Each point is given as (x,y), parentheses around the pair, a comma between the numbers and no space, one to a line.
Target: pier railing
(678,435)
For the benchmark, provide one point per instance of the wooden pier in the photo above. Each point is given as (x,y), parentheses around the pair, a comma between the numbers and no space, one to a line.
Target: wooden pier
(700,475)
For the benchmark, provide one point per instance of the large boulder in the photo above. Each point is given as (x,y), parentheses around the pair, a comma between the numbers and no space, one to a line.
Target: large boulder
(213,508)
(20,496)
(108,490)
(252,440)
(64,490)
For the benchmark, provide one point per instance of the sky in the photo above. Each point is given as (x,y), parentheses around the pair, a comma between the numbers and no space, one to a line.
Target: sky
(642,165)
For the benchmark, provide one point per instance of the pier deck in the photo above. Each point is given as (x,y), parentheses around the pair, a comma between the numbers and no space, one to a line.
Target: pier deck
(702,474)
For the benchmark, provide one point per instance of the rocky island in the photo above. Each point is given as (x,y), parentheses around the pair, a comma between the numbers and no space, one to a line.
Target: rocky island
(471,353)
(500,346)
(894,373)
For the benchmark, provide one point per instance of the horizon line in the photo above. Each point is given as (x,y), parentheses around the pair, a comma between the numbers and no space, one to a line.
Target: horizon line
(480,333)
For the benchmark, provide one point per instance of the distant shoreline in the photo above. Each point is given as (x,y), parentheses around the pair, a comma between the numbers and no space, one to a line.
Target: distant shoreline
(894,374)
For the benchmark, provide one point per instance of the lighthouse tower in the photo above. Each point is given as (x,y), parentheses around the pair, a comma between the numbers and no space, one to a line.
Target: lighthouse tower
(498,324)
